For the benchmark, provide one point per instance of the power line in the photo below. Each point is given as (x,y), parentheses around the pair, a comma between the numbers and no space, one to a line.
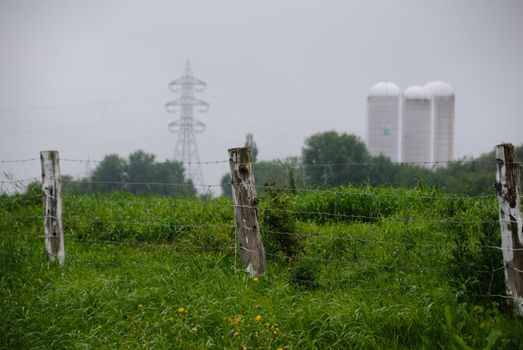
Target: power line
(122,100)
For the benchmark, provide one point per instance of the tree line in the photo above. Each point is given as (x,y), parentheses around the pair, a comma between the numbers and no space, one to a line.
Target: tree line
(139,173)
(330,159)
(327,159)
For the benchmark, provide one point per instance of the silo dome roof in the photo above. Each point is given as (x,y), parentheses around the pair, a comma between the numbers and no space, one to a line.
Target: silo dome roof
(439,88)
(384,88)
(417,93)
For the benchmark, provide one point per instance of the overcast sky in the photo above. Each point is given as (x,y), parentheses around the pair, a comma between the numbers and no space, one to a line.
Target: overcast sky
(90,78)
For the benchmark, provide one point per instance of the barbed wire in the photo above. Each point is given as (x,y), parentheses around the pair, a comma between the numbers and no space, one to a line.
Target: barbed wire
(282,162)
(405,244)
(130,183)
(323,281)
(80,160)
(426,244)
(150,224)
(19,160)
(371,218)
(375,218)
(16,181)
(364,263)
(371,194)
(144,244)
(401,268)
(291,189)
(496,296)
(304,165)
(77,222)
(100,161)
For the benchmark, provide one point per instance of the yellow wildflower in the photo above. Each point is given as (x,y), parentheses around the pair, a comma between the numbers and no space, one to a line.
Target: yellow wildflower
(258,318)
(235,320)
(256,279)
(181,309)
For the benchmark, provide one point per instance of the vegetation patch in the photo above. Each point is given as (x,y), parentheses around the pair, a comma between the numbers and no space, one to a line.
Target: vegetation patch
(152,271)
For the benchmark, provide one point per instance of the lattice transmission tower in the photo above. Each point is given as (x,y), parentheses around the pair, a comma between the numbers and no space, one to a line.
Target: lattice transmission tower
(186,149)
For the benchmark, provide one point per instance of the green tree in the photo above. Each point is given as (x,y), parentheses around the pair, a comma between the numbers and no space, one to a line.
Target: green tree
(172,172)
(249,142)
(107,175)
(75,186)
(381,171)
(330,158)
(225,184)
(140,167)
(141,174)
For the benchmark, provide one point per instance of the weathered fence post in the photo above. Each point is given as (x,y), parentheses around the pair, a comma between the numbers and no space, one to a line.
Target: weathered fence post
(246,211)
(510,220)
(52,190)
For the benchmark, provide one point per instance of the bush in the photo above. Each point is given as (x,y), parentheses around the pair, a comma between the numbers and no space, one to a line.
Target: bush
(278,224)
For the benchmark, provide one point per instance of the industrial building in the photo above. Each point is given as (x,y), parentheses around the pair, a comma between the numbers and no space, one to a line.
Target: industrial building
(383,117)
(443,121)
(414,127)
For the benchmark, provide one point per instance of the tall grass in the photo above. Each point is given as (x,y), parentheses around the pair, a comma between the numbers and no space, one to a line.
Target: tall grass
(151,272)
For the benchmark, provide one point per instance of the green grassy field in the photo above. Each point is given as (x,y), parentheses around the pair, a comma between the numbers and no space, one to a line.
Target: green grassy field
(356,268)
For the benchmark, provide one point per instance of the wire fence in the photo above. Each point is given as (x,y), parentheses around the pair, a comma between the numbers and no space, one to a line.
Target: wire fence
(287,162)
(76,221)
(146,185)
(9,182)
(343,243)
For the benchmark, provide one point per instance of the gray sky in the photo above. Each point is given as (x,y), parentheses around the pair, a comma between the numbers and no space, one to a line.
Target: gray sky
(90,77)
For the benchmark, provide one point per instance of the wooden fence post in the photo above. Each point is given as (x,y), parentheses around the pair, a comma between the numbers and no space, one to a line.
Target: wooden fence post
(511,222)
(52,190)
(246,211)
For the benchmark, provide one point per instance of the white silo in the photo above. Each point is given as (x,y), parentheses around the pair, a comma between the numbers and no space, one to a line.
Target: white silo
(383,111)
(416,125)
(443,121)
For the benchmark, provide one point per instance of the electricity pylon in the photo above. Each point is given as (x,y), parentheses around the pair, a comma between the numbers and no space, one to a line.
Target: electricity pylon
(186,149)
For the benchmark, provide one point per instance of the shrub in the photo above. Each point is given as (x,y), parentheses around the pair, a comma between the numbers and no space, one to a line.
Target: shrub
(278,224)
